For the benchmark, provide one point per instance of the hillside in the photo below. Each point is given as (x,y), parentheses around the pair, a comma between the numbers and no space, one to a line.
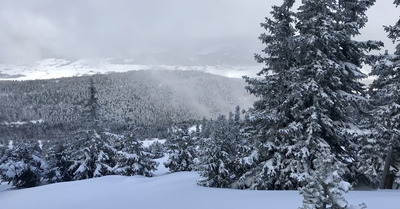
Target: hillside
(144,97)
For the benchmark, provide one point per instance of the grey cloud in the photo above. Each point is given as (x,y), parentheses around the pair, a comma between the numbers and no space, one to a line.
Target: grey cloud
(163,31)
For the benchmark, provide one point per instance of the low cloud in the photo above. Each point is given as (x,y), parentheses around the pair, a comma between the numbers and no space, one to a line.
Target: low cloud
(152,31)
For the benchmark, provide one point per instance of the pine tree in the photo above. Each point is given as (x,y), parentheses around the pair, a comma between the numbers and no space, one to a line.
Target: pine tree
(205,128)
(385,97)
(93,156)
(394,31)
(279,45)
(23,166)
(218,155)
(182,151)
(237,115)
(132,159)
(310,91)
(91,108)
(370,159)
(325,185)
(156,149)
(60,160)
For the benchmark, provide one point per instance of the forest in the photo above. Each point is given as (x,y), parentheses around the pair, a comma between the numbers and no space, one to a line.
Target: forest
(313,126)
(151,100)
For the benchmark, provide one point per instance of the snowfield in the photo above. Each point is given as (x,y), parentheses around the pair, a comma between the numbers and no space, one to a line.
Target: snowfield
(58,68)
(175,191)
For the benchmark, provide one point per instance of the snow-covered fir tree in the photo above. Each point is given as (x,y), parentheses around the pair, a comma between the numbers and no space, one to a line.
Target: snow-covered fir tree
(181,148)
(60,159)
(325,184)
(156,149)
(205,128)
(23,166)
(370,159)
(93,156)
(385,97)
(132,159)
(91,107)
(310,91)
(218,155)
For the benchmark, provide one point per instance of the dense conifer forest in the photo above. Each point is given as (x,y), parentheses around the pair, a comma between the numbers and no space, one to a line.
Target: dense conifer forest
(313,126)
(149,100)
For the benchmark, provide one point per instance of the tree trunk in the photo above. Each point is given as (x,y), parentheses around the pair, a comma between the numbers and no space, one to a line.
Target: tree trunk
(389,181)
(385,181)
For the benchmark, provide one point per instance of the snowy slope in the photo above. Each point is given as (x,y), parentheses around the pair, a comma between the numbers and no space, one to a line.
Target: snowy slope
(57,68)
(175,191)
(178,191)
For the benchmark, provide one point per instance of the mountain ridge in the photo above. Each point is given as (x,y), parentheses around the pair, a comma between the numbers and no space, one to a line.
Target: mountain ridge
(59,68)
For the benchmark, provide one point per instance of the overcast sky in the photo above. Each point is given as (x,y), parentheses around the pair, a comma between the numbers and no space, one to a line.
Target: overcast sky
(160,31)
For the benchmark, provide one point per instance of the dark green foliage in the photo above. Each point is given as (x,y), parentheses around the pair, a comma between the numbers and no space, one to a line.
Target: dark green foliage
(324,183)
(27,178)
(132,159)
(385,97)
(91,107)
(181,148)
(23,166)
(156,149)
(219,155)
(93,155)
(394,31)
(60,160)
(310,92)
(152,100)
(206,127)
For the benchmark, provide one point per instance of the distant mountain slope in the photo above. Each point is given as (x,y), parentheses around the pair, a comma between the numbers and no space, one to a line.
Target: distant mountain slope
(58,68)
(136,97)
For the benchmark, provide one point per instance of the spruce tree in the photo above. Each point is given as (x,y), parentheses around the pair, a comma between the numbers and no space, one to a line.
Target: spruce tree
(60,160)
(218,154)
(91,108)
(385,97)
(93,156)
(310,91)
(132,159)
(325,185)
(237,115)
(23,166)
(279,41)
(182,151)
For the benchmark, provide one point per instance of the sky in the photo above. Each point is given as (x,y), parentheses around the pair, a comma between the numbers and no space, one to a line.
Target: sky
(186,32)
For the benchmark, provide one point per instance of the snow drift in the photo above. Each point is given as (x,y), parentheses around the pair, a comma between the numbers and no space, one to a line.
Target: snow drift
(177,191)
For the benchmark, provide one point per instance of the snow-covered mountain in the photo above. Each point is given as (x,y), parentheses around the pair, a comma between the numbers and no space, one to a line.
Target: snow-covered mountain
(57,68)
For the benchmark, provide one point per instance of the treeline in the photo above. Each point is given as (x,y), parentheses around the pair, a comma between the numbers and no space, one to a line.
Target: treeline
(150,99)
(88,154)
(215,147)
